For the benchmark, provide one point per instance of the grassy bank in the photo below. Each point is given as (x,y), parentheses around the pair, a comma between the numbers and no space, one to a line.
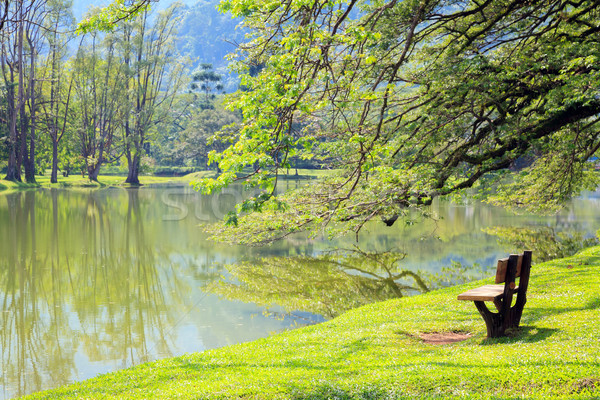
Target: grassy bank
(77,181)
(376,352)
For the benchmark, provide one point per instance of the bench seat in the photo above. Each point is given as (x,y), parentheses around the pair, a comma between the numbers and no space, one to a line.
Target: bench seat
(484,293)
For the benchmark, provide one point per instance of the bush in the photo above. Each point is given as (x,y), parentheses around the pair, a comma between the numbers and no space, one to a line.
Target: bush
(174,171)
(114,170)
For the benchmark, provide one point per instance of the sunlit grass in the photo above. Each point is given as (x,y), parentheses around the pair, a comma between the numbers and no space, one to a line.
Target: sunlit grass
(375,352)
(75,181)
(78,181)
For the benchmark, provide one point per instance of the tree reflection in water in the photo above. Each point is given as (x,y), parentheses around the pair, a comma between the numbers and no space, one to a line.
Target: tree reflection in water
(333,283)
(328,284)
(93,293)
(545,242)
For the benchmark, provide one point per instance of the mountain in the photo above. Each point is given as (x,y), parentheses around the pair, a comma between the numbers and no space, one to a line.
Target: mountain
(207,35)
(204,34)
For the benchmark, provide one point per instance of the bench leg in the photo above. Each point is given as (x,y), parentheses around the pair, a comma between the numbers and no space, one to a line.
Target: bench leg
(517,310)
(494,322)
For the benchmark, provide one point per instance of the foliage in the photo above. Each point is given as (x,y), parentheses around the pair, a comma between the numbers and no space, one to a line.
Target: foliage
(190,131)
(375,352)
(173,171)
(108,17)
(413,100)
(207,81)
(154,75)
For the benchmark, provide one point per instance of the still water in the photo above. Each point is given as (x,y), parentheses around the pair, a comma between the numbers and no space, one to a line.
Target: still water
(95,281)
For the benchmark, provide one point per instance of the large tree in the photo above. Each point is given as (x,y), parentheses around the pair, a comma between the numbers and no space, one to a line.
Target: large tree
(410,100)
(58,81)
(98,86)
(154,75)
(19,47)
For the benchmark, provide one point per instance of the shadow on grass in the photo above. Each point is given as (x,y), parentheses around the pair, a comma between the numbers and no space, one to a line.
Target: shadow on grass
(332,392)
(524,334)
(593,304)
(372,392)
(535,314)
(10,185)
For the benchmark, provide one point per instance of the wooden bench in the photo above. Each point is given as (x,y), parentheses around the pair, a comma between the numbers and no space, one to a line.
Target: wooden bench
(508,315)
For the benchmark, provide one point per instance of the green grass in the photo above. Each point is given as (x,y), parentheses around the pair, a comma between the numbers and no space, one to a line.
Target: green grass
(9,185)
(375,352)
(77,181)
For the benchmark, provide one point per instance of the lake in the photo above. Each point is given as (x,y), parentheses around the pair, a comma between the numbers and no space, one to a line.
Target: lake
(93,281)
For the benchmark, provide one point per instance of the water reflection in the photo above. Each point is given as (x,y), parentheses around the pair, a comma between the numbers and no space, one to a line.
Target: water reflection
(328,284)
(89,283)
(546,242)
(98,294)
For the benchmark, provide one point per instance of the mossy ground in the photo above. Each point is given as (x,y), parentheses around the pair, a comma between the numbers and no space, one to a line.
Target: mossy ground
(375,352)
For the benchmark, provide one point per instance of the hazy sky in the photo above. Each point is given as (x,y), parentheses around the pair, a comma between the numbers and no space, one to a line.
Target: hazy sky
(81,6)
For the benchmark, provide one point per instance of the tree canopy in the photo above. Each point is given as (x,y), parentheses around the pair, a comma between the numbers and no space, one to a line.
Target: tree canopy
(115,12)
(409,100)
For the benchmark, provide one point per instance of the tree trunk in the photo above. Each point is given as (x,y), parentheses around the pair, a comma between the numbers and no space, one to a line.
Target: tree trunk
(29,163)
(22,135)
(93,172)
(54,174)
(12,172)
(134,170)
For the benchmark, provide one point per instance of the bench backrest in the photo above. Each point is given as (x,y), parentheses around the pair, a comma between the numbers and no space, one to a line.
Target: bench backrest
(517,265)
(502,268)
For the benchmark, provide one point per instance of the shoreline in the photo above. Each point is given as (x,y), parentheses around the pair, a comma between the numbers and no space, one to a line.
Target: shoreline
(377,352)
(76,181)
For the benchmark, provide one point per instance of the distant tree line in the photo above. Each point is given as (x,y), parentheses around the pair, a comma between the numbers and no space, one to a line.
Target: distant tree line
(75,103)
